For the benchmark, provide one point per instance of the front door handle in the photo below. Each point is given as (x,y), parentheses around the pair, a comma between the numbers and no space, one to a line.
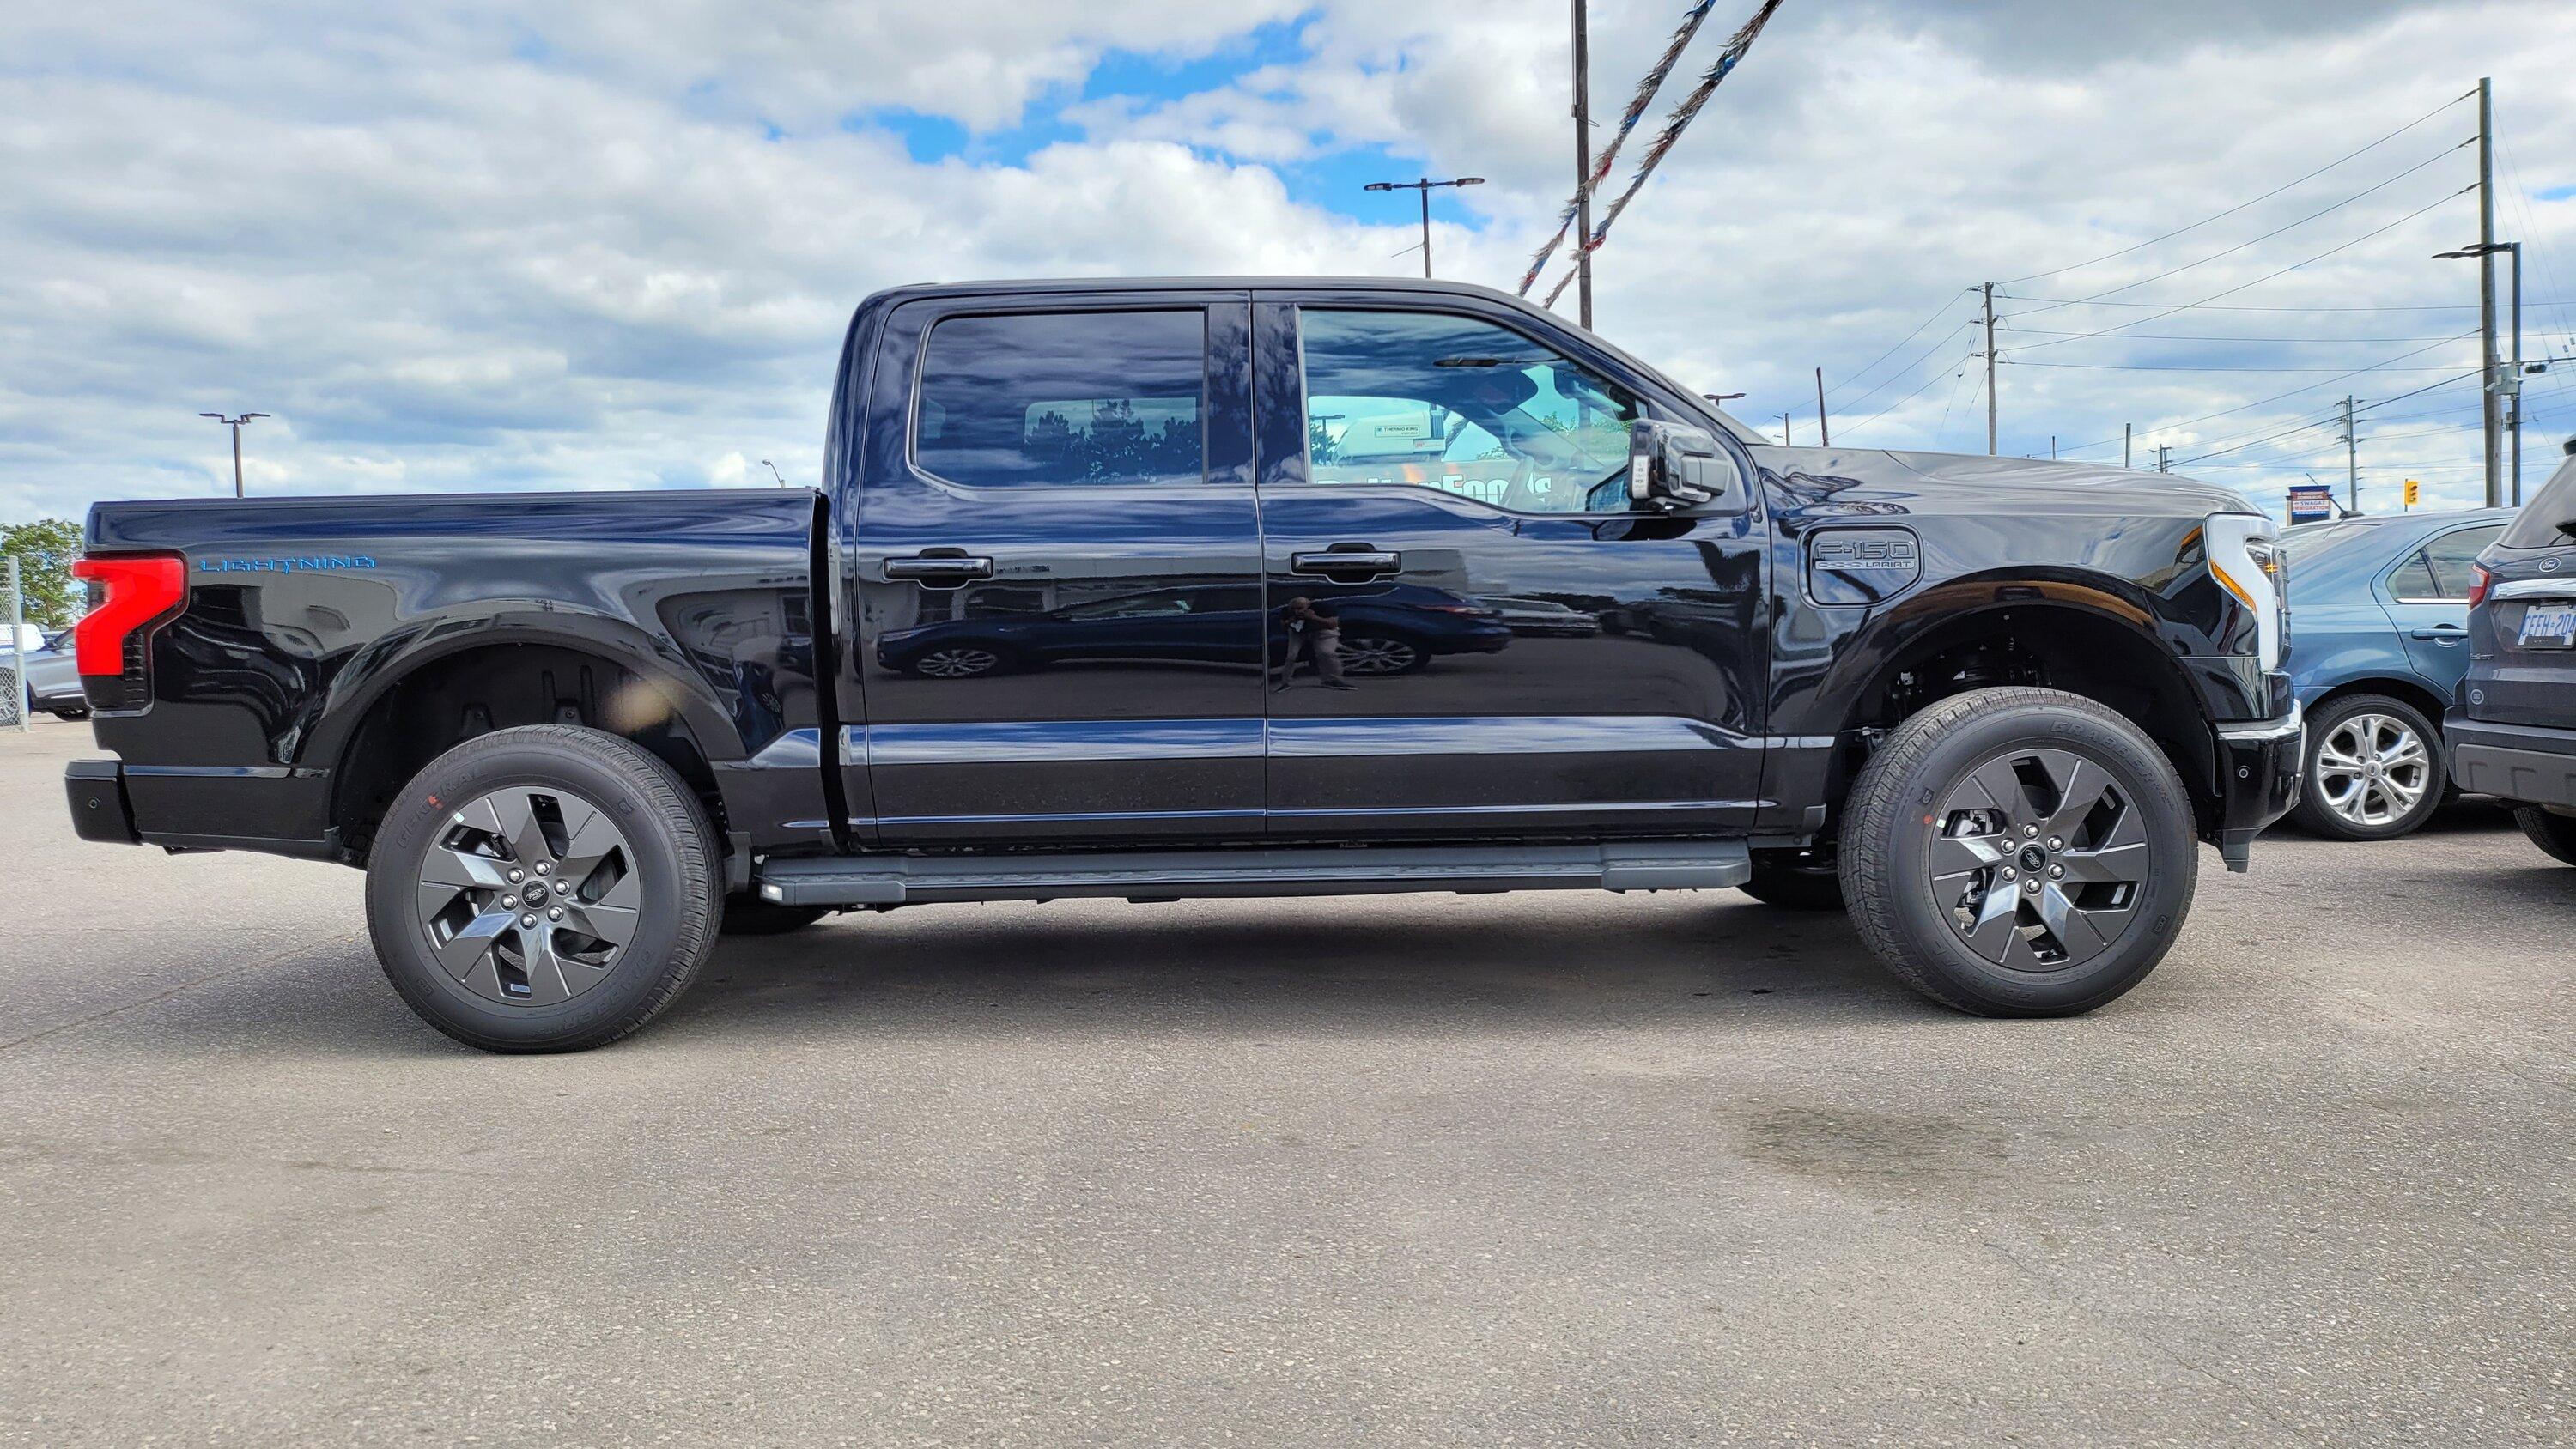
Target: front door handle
(1337,561)
(2443,633)
(939,568)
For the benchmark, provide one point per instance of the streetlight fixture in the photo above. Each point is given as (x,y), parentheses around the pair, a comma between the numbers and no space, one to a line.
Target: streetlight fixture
(236,425)
(1424,186)
(2511,383)
(773,471)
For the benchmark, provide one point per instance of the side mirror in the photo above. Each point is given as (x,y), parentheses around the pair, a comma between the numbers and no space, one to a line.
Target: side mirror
(1672,468)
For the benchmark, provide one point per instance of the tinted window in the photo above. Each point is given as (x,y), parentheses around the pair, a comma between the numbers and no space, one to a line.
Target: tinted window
(2549,519)
(1064,397)
(1462,406)
(2413,579)
(2452,561)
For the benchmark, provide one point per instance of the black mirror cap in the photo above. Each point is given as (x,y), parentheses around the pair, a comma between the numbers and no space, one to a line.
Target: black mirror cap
(1673,467)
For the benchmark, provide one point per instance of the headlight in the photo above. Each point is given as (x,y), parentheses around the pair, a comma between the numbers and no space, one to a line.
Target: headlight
(2245,558)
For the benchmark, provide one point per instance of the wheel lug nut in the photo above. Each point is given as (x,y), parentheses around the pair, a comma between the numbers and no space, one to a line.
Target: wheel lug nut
(2056,844)
(509,903)
(2010,874)
(2055,871)
(542,868)
(2030,830)
(555,914)
(2031,884)
(527,920)
(516,875)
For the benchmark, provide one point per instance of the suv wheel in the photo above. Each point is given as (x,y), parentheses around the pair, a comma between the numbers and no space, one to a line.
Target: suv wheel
(2019,852)
(2553,833)
(547,888)
(2374,770)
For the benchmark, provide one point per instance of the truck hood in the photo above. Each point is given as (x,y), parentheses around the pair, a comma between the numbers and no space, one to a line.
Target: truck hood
(1974,482)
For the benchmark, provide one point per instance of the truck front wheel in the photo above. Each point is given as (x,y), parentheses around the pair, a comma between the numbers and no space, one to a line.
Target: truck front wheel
(547,888)
(2019,852)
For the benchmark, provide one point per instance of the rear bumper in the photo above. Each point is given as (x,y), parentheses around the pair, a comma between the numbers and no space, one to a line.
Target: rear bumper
(197,807)
(2260,764)
(100,810)
(2533,764)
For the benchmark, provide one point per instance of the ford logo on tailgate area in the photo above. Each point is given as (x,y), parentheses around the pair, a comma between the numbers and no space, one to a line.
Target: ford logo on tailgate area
(1861,565)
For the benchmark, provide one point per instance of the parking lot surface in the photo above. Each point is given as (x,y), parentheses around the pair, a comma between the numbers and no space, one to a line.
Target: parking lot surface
(1533,1169)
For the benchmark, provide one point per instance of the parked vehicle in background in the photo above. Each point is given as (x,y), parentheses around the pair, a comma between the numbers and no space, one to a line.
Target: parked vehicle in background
(53,679)
(2379,617)
(1992,705)
(2513,727)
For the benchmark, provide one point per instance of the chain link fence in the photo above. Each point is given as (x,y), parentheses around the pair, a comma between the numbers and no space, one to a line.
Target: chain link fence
(13,652)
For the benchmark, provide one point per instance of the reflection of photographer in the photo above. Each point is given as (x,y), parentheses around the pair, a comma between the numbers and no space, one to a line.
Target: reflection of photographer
(1315,636)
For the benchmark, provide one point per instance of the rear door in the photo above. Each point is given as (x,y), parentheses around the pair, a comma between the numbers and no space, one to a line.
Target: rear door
(1055,566)
(2427,597)
(1444,480)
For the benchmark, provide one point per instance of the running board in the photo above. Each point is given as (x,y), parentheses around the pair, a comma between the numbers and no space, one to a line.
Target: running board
(894,880)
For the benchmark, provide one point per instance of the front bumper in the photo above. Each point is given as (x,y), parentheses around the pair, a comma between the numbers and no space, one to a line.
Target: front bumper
(2260,764)
(2531,764)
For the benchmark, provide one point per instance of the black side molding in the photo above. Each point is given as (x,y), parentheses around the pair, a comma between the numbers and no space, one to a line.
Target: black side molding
(894,880)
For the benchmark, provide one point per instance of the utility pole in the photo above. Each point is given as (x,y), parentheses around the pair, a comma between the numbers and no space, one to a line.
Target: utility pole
(2489,397)
(1990,369)
(2504,379)
(1424,186)
(2128,437)
(236,425)
(1785,440)
(2164,458)
(2351,461)
(1823,426)
(1582,167)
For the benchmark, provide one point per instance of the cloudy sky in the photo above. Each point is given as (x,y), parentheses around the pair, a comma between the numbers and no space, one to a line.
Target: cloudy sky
(453,244)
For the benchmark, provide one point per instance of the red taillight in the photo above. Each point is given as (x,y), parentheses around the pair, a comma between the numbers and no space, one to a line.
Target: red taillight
(139,590)
(2478,586)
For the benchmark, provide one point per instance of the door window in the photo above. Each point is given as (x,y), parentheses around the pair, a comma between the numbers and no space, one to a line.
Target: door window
(1439,401)
(2443,570)
(1099,398)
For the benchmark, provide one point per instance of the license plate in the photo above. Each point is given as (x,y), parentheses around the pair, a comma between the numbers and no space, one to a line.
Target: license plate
(2548,626)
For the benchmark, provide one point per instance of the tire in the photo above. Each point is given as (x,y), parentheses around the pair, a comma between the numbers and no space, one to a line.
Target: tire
(1796,880)
(752,916)
(961,661)
(2346,794)
(529,800)
(2554,834)
(1925,868)
(1366,656)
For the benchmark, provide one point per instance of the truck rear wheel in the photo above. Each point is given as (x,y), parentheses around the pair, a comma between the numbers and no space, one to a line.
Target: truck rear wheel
(2019,852)
(547,888)
(2554,834)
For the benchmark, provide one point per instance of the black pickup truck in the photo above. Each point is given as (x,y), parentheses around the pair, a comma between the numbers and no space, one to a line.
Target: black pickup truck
(1210,588)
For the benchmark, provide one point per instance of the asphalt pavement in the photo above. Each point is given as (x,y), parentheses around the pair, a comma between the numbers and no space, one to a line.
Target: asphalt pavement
(1551,1168)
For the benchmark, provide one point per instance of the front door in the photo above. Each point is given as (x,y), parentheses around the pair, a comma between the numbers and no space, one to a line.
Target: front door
(1056,573)
(1471,630)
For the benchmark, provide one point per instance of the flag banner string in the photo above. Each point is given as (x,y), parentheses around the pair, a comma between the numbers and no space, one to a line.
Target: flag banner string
(1637,104)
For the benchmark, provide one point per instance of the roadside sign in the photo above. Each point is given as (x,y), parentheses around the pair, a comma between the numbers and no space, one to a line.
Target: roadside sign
(2311,503)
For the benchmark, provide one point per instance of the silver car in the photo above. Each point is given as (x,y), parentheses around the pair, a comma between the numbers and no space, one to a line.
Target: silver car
(53,679)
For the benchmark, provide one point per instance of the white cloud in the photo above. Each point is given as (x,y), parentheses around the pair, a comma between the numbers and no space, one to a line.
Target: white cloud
(451,251)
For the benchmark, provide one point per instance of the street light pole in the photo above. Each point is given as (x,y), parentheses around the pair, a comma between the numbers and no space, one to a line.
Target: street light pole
(773,471)
(236,425)
(2503,379)
(1424,186)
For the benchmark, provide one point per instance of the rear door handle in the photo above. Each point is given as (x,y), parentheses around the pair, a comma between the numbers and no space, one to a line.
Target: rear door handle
(2443,633)
(939,568)
(1337,561)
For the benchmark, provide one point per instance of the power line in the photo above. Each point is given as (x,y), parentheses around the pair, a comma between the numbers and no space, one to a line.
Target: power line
(1937,344)
(2276,397)
(1911,396)
(2269,276)
(1891,352)
(2240,206)
(2191,367)
(2267,236)
(2438,307)
(2214,337)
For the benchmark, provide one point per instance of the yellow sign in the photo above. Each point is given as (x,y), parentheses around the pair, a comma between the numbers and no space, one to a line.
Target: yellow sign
(2412,488)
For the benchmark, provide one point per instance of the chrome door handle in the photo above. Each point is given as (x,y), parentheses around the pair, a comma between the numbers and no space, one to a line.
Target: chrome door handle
(939,569)
(1334,561)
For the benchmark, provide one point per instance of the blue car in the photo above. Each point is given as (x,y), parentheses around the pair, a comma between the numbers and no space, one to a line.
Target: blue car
(2379,626)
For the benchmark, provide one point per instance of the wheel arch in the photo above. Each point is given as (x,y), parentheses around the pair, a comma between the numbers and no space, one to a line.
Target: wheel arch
(478,683)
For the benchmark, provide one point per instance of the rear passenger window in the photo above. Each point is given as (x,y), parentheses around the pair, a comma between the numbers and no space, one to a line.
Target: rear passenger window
(2549,520)
(2453,561)
(1103,398)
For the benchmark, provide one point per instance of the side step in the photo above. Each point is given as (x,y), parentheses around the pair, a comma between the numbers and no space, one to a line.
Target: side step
(894,880)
